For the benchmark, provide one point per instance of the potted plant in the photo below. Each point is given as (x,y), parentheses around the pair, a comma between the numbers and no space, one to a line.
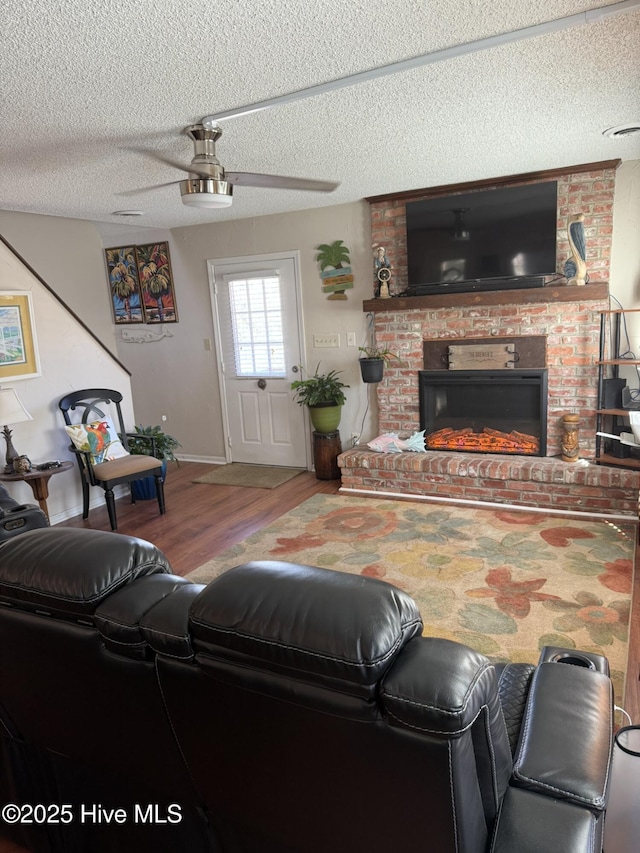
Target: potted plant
(323,395)
(151,441)
(373,362)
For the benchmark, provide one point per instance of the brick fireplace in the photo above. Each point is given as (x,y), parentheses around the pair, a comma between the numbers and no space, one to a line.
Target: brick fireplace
(564,321)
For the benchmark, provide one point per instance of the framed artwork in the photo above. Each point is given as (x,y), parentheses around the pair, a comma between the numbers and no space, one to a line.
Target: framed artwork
(156,283)
(18,348)
(124,284)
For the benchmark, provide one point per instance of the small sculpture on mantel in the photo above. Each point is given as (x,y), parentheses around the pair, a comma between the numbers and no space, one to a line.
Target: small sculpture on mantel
(382,269)
(575,268)
(570,442)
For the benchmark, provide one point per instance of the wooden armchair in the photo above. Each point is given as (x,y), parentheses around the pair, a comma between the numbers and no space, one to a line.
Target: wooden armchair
(101,447)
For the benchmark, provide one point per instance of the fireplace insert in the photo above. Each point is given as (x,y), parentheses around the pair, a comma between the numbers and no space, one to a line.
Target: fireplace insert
(484,411)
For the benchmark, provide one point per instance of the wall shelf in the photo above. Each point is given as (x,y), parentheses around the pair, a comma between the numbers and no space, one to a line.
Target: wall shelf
(602,413)
(524,296)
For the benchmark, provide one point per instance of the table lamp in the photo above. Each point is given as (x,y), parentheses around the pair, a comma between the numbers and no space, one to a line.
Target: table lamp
(11,412)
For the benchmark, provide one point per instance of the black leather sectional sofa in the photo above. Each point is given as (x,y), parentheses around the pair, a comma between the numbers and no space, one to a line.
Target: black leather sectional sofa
(280,709)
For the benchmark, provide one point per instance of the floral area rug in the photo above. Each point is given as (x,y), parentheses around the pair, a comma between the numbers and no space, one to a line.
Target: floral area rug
(505,582)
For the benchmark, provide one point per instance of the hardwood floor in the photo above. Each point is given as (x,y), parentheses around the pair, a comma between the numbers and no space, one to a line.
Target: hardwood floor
(202,520)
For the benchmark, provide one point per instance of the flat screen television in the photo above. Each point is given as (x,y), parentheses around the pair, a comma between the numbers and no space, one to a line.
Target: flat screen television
(488,239)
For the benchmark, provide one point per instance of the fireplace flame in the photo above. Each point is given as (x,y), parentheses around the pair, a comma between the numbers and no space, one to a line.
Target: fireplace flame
(487,441)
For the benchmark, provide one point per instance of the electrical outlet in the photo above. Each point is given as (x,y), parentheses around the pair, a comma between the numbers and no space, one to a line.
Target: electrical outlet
(355,438)
(351,339)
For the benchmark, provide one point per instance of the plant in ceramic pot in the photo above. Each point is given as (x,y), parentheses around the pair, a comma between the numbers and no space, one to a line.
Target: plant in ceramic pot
(151,441)
(323,395)
(373,361)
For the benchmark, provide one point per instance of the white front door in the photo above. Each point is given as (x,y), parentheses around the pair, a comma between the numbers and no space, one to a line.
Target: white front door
(259,346)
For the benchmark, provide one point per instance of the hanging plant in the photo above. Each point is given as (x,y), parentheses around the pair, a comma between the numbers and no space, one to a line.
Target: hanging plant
(373,362)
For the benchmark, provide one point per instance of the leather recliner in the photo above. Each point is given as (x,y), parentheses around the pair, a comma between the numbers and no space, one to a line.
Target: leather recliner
(83,719)
(17,518)
(299,709)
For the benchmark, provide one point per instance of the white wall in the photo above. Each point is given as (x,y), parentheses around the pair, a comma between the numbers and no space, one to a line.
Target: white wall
(67,254)
(176,376)
(625,259)
(70,359)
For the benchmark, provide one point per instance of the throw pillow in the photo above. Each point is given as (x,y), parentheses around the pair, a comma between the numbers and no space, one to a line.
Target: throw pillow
(99,438)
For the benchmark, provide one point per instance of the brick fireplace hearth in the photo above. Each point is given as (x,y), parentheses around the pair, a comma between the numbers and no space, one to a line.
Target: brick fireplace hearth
(568,320)
(565,318)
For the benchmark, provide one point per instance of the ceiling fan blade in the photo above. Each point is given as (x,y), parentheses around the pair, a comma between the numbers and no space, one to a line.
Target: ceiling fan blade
(148,189)
(250,179)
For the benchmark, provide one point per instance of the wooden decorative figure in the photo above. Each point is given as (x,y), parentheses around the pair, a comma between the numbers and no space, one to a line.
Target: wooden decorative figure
(575,268)
(336,278)
(570,442)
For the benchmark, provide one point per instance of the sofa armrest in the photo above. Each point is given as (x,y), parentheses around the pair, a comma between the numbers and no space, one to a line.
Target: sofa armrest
(119,618)
(533,823)
(166,626)
(566,738)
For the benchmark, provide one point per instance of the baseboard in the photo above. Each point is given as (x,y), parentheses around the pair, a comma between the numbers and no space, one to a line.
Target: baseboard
(209,460)
(96,501)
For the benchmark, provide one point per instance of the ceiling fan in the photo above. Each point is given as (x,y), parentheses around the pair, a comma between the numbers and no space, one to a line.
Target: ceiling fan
(208,185)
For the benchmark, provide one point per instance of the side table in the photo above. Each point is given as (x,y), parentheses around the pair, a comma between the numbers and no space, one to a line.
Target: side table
(326,449)
(39,482)
(622,821)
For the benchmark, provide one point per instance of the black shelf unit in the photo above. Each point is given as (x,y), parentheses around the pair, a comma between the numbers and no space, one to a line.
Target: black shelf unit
(615,414)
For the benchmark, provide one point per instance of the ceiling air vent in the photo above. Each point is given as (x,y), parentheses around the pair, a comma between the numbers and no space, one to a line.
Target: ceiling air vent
(622,129)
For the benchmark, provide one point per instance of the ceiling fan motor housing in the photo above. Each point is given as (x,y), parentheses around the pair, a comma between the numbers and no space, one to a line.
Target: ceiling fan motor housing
(206,192)
(202,191)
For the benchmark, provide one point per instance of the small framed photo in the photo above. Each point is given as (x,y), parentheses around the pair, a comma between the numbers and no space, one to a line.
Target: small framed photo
(124,284)
(156,283)
(18,348)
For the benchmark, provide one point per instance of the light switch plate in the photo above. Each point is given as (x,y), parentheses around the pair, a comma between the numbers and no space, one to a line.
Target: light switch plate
(326,340)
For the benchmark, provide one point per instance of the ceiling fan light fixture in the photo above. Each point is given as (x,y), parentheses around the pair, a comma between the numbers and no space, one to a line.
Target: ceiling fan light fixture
(206,193)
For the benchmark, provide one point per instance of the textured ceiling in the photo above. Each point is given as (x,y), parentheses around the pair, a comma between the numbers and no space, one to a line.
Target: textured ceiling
(82,84)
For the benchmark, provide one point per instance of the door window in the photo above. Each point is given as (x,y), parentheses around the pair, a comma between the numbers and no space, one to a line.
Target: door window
(255,316)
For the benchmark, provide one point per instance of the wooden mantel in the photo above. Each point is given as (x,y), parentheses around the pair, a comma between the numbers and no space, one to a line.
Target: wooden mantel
(525,296)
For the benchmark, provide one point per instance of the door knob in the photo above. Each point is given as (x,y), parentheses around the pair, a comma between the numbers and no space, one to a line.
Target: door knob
(295,368)
(262,383)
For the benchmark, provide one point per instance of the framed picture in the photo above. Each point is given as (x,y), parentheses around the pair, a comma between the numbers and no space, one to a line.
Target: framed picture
(124,285)
(18,348)
(156,283)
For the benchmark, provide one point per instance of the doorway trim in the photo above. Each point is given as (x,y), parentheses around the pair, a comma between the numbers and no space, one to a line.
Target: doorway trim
(272,257)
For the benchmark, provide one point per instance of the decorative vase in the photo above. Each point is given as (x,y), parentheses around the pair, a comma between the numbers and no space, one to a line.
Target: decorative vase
(325,417)
(145,488)
(575,268)
(372,369)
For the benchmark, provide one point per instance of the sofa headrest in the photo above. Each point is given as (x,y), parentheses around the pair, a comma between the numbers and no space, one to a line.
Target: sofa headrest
(68,570)
(309,623)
